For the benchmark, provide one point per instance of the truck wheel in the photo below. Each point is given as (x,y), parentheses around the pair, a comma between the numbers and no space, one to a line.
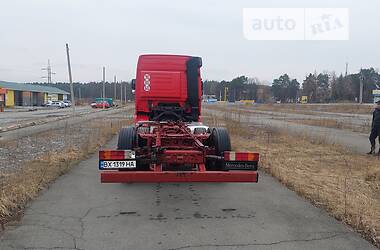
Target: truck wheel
(221,140)
(127,141)
(127,138)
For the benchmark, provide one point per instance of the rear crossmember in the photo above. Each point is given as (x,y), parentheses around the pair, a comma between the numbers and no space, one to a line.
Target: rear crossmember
(231,160)
(176,176)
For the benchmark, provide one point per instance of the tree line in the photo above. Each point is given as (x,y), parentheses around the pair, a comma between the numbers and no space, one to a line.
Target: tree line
(318,87)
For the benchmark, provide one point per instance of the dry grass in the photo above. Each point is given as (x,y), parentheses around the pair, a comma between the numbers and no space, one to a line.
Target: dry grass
(19,187)
(331,123)
(347,185)
(305,109)
(350,108)
(317,121)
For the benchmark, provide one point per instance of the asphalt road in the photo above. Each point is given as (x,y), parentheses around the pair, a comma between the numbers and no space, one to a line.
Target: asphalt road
(354,141)
(77,212)
(80,117)
(22,115)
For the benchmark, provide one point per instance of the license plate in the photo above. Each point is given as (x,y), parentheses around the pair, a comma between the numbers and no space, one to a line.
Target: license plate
(117,164)
(239,165)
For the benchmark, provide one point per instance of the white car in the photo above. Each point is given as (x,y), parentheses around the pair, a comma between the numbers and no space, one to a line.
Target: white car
(57,104)
(67,103)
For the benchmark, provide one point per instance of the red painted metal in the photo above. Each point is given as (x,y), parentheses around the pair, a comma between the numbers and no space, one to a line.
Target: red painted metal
(168,72)
(175,176)
(181,157)
(176,143)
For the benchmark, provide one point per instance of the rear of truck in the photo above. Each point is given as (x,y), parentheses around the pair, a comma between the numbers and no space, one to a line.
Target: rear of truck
(169,142)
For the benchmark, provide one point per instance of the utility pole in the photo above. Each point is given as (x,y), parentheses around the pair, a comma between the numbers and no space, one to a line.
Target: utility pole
(49,73)
(79,94)
(125,93)
(70,79)
(361,87)
(225,93)
(346,69)
(114,87)
(121,93)
(104,87)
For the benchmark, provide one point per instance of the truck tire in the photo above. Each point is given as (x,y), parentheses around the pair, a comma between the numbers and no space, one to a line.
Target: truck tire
(127,138)
(127,141)
(221,140)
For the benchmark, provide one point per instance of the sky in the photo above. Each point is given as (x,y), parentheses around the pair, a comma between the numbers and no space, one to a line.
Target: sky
(114,33)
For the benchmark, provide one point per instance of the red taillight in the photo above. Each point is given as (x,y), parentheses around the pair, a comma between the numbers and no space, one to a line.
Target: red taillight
(112,155)
(241,156)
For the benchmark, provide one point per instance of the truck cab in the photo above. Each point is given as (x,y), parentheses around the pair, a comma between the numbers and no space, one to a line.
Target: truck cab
(168,87)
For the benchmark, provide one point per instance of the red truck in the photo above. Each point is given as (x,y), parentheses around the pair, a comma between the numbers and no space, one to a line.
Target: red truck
(168,142)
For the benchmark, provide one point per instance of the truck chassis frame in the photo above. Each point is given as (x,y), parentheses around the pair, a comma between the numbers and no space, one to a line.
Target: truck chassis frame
(171,152)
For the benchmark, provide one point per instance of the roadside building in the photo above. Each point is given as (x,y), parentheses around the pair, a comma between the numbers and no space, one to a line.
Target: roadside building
(21,94)
(3,92)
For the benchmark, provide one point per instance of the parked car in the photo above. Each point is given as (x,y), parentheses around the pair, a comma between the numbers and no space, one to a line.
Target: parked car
(103,104)
(67,103)
(108,100)
(100,105)
(57,104)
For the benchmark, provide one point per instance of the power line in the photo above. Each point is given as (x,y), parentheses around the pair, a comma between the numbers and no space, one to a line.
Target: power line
(104,87)
(114,85)
(49,72)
